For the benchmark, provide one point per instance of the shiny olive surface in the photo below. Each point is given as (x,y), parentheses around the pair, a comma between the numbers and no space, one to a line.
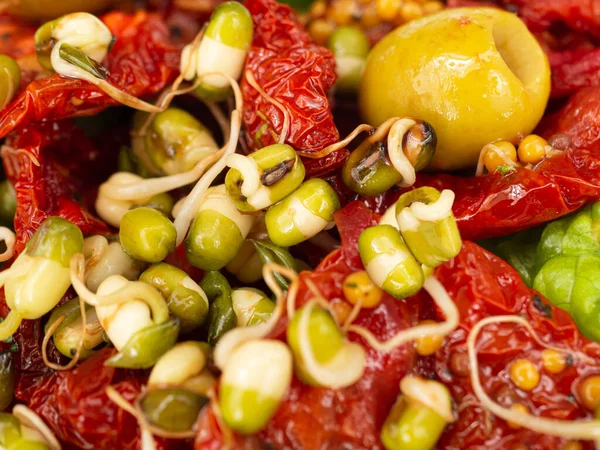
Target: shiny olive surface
(475,74)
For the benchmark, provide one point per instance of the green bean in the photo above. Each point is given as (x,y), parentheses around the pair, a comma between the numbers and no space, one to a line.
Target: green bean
(411,426)
(172,409)
(161,202)
(7,380)
(272,254)
(217,232)
(176,141)
(147,234)
(302,214)
(369,171)
(227,38)
(10,78)
(350,47)
(325,337)
(388,261)
(56,239)
(186,300)
(254,382)
(44,42)
(280,172)
(221,316)
(431,242)
(251,306)
(146,346)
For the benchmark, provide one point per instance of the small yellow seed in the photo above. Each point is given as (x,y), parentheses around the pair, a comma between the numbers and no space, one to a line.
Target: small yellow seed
(520,408)
(553,361)
(589,392)
(572,445)
(369,17)
(498,154)
(342,12)
(388,9)
(359,287)
(341,310)
(524,374)
(532,149)
(428,345)
(410,11)
(320,30)
(318,9)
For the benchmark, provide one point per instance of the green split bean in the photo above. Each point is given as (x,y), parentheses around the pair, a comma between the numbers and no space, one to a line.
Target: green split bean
(221,315)
(279,170)
(7,380)
(251,306)
(369,171)
(176,141)
(56,239)
(302,214)
(388,261)
(172,409)
(431,242)
(247,265)
(350,46)
(10,78)
(186,300)
(217,232)
(147,234)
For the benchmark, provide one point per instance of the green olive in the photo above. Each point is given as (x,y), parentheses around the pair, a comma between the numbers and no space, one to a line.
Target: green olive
(388,261)
(147,234)
(172,409)
(431,242)
(176,141)
(56,239)
(186,300)
(10,78)
(434,68)
(411,426)
(51,9)
(8,202)
(302,214)
(350,47)
(7,380)
(281,171)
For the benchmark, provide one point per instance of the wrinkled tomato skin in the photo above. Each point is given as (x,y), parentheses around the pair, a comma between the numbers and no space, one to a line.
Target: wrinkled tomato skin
(297,73)
(142,62)
(483,285)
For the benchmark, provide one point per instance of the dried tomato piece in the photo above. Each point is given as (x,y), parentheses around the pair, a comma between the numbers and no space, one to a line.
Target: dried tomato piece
(483,285)
(45,187)
(573,70)
(297,73)
(142,62)
(16,38)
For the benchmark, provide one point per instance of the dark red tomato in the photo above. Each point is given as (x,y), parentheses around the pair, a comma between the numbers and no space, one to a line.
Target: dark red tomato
(142,62)
(483,285)
(16,38)
(296,72)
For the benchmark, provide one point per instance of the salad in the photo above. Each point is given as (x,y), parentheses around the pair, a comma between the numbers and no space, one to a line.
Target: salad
(328,224)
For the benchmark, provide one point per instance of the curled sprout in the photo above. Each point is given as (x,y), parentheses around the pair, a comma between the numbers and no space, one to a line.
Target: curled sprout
(9,238)
(583,429)
(237,336)
(189,207)
(409,217)
(441,299)
(30,420)
(493,148)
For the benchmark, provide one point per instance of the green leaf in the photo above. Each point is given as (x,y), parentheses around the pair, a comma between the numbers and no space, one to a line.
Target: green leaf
(78,58)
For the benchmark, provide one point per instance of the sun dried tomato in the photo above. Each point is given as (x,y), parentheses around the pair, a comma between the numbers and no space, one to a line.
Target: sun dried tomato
(45,187)
(16,38)
(296,72)
(573,70)
(142,62)
(483,285)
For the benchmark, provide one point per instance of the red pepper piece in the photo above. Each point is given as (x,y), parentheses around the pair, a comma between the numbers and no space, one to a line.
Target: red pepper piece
(296,72)
(483,285)
(43,186)
(142,62)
